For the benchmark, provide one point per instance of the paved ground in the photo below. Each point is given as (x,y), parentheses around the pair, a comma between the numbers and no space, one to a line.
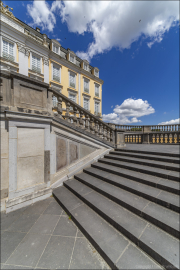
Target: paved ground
(155,148)
(41,236)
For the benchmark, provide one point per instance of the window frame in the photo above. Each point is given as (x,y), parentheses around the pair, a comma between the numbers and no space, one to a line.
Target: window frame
(72,73)
(70,55)
(54,45)
(98,102)
(59,67)
(88,103)
(88,81)
(37,56)
(96,71)
(14,47)
(96,85)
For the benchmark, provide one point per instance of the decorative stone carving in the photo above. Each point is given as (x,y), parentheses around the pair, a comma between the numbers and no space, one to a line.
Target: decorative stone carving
(21,48)
(27,52)
(46,61)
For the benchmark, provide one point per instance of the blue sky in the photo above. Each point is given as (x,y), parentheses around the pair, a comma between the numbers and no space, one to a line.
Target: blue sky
(134,44)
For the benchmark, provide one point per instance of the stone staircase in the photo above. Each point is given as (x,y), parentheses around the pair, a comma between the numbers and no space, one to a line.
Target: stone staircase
(127,205)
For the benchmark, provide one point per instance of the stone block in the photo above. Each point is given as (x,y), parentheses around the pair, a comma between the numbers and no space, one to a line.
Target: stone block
(85,150)
(30,142)
(4,173)
(30,171)
(73,152)
(46,166)
(61,153)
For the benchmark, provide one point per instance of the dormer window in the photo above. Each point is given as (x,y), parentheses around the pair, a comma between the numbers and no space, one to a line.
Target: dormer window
(55,49)
(85,67)
(71,58)
(96,73)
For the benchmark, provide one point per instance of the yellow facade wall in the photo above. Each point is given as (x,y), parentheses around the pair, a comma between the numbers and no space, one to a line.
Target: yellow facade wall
(65,86)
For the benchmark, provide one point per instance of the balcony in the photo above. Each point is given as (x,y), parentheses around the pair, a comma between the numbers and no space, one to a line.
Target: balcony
(56,78)
(8,56)
(36,69)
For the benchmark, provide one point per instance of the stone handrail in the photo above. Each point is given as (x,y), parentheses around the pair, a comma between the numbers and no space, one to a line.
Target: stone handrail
(148,128)
(81,117)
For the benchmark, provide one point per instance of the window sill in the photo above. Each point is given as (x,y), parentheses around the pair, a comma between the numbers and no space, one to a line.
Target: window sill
(9,61)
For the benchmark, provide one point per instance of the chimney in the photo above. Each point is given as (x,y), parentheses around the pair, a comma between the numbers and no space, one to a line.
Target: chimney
(38,29)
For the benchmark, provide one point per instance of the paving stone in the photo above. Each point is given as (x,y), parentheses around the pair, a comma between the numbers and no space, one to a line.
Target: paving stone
(9,241)
(38,207)
(45,224)
(86,257)
(23,223)
(8,219)
(79,234)
(65,227)
(134,258)
(29,251)
(53,209)
(57,253)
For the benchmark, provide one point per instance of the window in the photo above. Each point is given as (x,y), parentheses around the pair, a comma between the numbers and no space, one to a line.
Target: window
(8,51)
(85,67)
(71,58)
(96,90)
(96,73)
(86,104)
(72,80)
(36,64)
(55,49)
(96,108)
(72,97)
(86,86)
(56,74)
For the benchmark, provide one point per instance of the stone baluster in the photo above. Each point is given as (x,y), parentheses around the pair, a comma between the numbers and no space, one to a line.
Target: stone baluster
(100,131)
(87,127)
(105,133)
(67,115)
(59,107)
(96,128)
(81,121)
(108,135)
(92,125)
(75,117)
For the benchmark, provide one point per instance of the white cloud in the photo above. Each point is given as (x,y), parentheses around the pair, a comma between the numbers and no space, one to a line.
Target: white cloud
(171,122)
(129,111)
(116,23)
(42,15)
(112,23)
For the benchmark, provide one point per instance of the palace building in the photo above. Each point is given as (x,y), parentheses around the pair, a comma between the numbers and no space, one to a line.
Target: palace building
(31,53)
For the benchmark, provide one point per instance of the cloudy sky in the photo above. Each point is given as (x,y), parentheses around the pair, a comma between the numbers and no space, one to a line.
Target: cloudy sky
(134,44)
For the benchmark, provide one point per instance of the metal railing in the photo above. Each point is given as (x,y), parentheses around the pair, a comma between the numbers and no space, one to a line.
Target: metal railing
(8,56)
(80,117)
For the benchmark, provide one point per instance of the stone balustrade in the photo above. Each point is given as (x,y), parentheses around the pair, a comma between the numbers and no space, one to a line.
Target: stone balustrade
(150,128)
(80,117)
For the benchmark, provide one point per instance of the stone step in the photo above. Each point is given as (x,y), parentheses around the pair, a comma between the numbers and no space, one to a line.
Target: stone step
(164,198)
(147,156)
(159,245)
(114,247)
(166,154)
(171,175)
(160,216)
(141,161)
(150,180)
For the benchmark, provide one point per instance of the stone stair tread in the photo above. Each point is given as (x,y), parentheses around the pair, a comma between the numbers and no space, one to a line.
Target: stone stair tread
(165,165)
(144,177)
(142,167)
(148,156)
(148,190)
(148,237)
(167,154)
(140,205)
(109,242)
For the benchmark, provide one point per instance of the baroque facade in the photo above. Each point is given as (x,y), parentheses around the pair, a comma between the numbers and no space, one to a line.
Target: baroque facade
(29,52)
